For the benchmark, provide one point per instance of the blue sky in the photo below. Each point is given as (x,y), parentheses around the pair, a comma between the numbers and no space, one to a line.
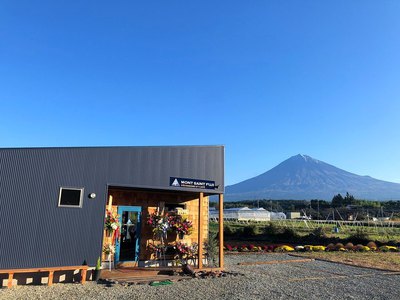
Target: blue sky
(267,79)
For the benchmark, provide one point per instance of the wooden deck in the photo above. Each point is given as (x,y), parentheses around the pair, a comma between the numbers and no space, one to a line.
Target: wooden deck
(142,275)
(145,275)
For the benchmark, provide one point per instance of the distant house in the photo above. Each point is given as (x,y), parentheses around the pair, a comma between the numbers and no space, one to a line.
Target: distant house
(293,215)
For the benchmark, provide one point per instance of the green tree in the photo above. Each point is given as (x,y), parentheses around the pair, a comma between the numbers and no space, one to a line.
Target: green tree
(349,199)
(337,200)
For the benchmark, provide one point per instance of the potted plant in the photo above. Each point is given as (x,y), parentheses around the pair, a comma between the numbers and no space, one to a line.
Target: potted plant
(97,270)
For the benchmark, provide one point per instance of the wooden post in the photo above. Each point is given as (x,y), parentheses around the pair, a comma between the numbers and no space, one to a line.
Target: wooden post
(200,250)
(221,230)
(109,238)
(10,279)
(110,199)
(83,276)
(51,276)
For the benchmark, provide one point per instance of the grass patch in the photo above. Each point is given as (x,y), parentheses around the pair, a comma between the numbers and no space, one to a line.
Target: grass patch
(379,260)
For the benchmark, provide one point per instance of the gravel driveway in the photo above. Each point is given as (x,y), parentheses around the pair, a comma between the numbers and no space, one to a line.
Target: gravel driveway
(297,280)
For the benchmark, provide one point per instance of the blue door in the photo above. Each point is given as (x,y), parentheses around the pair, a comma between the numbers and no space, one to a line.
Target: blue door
(127,247)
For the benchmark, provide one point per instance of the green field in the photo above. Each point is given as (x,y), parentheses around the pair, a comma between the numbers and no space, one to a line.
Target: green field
(291,230)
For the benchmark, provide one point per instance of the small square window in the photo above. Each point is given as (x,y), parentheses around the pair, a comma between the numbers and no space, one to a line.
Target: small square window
(70,197)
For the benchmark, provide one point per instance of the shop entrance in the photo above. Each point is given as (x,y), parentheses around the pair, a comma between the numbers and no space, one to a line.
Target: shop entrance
(127,247)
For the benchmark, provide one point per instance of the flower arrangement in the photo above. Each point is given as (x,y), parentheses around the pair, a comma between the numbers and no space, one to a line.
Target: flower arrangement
(169,222)
(156,249)
(154,219)
(111,223)
(183,227)
(159,223)
(185,251)
(109,249)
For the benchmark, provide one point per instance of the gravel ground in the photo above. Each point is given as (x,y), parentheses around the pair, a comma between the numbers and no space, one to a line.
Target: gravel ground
(309,280)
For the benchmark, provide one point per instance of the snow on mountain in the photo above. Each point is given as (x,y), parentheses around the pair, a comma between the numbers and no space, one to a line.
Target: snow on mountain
(303,177)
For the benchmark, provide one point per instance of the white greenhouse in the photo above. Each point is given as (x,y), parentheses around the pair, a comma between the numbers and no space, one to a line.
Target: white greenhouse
(247,214)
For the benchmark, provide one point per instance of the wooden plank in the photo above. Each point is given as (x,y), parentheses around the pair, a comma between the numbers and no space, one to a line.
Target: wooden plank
(221,230)
(200,232)
(10,280)
(110,200)
(33,270)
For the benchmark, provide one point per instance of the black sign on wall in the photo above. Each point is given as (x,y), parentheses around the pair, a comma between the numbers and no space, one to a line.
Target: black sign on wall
(192,183)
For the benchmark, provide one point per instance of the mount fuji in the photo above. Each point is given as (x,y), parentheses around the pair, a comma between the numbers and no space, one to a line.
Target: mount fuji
(302,177)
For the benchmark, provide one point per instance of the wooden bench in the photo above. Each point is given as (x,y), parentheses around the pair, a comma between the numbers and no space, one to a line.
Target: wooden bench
(50,270)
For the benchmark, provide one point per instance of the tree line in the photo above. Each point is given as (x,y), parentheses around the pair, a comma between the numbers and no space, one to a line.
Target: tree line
(345,205)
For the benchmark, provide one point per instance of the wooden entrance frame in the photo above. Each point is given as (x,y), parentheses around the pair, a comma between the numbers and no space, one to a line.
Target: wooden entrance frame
(201,229)
(221,230)
(201,223)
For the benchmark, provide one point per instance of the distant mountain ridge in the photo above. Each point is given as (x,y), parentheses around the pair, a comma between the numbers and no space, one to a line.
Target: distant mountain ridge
(302,177)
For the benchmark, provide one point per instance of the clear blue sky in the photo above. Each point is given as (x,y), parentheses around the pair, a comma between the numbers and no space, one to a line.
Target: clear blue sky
(267,79)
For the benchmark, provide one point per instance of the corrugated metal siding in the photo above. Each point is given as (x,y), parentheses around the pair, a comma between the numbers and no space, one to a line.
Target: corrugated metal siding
(34,232)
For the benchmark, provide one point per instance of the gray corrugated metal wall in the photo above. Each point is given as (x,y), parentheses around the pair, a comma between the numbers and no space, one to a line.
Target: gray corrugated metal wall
(34,232)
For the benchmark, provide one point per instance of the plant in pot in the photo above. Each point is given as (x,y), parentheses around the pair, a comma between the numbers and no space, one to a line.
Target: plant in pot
(97,270)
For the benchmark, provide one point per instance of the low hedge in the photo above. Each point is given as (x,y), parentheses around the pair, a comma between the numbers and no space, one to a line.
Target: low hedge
(311,248)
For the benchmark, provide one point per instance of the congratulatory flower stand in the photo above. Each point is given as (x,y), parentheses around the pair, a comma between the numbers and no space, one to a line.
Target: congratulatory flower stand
(112,229)
(170,223)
